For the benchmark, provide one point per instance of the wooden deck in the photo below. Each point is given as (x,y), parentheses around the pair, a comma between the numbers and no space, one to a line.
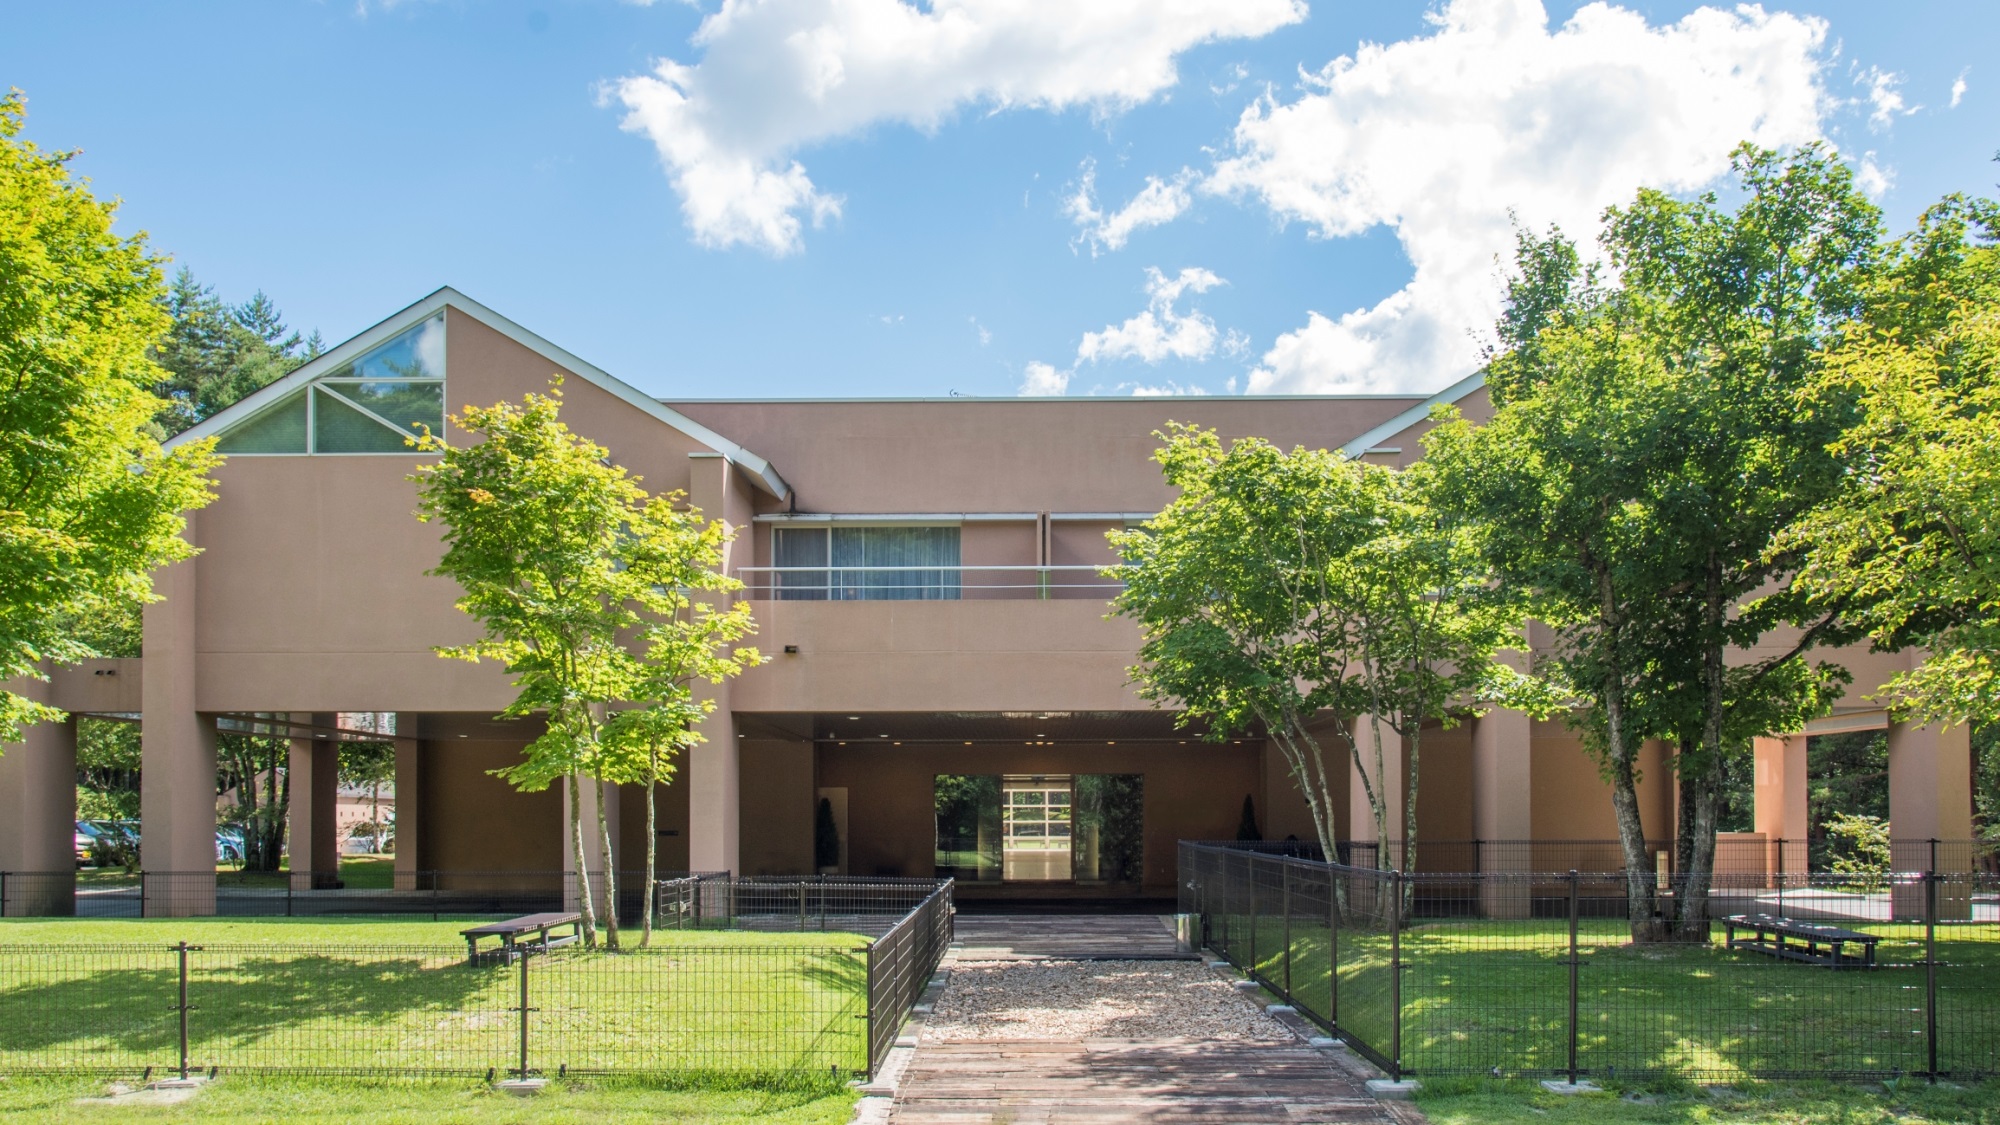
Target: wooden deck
(1098,1081)
(1066,937)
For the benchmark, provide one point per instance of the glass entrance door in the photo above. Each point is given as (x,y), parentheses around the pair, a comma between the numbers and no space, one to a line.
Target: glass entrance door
(1035,827)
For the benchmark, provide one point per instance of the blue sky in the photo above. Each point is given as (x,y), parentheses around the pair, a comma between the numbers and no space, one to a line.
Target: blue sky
(856,198)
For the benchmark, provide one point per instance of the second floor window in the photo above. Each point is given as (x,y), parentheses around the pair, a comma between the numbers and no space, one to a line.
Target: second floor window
(866,563)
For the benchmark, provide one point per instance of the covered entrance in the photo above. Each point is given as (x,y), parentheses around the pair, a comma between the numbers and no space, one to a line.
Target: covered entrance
(1049,829)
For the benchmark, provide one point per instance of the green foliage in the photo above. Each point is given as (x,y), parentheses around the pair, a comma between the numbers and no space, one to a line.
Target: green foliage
(1859,846)
(560,556)
(1653,441)
(216,353)
(1246,826)
(89,504)
(1280,586)
(1914,541)
(826,836)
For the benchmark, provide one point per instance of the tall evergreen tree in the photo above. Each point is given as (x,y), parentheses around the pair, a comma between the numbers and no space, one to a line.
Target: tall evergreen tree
(216,353)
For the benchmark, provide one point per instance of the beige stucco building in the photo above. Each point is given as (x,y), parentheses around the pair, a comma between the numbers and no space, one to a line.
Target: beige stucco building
(924,576)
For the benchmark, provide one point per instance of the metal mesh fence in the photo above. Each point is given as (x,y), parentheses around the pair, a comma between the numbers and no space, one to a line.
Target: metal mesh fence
(693,1002)
(1836,975)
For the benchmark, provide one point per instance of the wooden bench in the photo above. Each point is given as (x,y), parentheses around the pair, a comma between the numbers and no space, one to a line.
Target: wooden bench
(527,934)
(1801,941)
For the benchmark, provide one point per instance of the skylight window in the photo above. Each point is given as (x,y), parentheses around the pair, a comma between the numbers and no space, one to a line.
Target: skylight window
(368,405)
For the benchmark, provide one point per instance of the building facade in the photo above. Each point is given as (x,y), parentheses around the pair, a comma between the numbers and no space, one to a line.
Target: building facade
(926,581)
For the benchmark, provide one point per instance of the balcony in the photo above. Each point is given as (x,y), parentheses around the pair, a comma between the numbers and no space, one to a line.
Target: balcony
(927,583)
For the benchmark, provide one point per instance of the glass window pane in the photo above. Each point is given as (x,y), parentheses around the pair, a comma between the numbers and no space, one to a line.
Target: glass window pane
(899,563)
(339,428)
(793,547)
(408,405)
(415,354)
(280,429)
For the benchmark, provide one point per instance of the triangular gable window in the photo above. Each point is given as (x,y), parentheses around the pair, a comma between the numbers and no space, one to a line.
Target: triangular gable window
(368,405)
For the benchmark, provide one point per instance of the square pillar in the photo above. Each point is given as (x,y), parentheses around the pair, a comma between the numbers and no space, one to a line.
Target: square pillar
(714,767)
(1930,798)
(1502,790)
(1390,787)
(177,755)
(38,815)
(312,824)
(408,855)
(1780,816)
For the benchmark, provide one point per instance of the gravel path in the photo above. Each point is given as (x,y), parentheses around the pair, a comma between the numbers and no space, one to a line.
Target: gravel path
(988,1000)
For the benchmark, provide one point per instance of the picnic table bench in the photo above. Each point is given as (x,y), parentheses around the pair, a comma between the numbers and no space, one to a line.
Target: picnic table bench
(527,934)
(1800,941)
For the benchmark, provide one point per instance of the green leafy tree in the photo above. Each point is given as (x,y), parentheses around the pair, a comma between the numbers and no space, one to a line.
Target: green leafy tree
(369,765)
(535,517)
(253,772)
(1278,588)
(672,555)
(89,503)
(1914,541)
(214,353)
(1649,450)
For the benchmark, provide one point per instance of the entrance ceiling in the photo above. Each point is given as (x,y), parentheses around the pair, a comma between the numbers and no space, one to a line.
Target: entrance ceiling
(961,726)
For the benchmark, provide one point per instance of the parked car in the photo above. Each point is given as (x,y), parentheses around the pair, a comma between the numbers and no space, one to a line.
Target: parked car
(229,845)
(86,845)
(115,843)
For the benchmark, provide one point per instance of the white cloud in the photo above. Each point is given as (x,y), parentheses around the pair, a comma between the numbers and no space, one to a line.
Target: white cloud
(1873,179)
(985,335)
(1161,390)
(1885,96)
(1157,333)
(1441,136)
(1158,203)
(1958,87)
(1044,379)
(777,76)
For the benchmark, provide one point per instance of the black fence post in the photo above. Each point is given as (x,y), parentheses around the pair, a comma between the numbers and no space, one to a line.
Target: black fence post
(1250,869)
(1931,968)
(802,906)
(1573,880)
(1285,903)
(1396,975)
(182,950)
(522,1069)
(1333,950)
(868,1003)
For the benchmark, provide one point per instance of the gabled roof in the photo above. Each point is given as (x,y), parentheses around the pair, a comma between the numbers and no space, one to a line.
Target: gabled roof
(1413,415)
(760,470)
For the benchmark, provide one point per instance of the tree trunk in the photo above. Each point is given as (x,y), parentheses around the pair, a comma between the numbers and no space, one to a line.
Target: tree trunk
(1695,879)
(1415,743)
(1641,907)
(584,904)
(652,854)
(610,869)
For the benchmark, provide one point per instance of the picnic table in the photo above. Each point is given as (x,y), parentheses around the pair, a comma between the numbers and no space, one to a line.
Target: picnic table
(527,934)
(1801,941)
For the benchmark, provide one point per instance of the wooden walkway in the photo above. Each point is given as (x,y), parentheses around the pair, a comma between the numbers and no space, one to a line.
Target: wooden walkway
(1066,937)
(1105,1081)
(1099,1081)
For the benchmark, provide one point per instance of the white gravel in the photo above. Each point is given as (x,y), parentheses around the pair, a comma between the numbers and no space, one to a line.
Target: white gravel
(1094,1000)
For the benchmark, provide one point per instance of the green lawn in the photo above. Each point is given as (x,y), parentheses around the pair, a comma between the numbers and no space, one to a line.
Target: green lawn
(1910,1102)
(333,994)
(243,1100)
(1483,994)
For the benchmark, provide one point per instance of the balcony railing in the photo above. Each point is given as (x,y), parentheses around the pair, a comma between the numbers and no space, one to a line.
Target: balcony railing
(926,583)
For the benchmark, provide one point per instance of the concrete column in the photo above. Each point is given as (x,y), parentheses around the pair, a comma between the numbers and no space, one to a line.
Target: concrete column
(38,815)
(313,840)
(713,767)
(177,755)
(1931,799)
(1502,787)
(1389,786)
(1779,788)
(408,855)
(596,863)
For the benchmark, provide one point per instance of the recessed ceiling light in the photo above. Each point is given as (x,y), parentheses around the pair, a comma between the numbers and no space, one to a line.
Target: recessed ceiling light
(854,718)
(1111,743)
(968,744)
